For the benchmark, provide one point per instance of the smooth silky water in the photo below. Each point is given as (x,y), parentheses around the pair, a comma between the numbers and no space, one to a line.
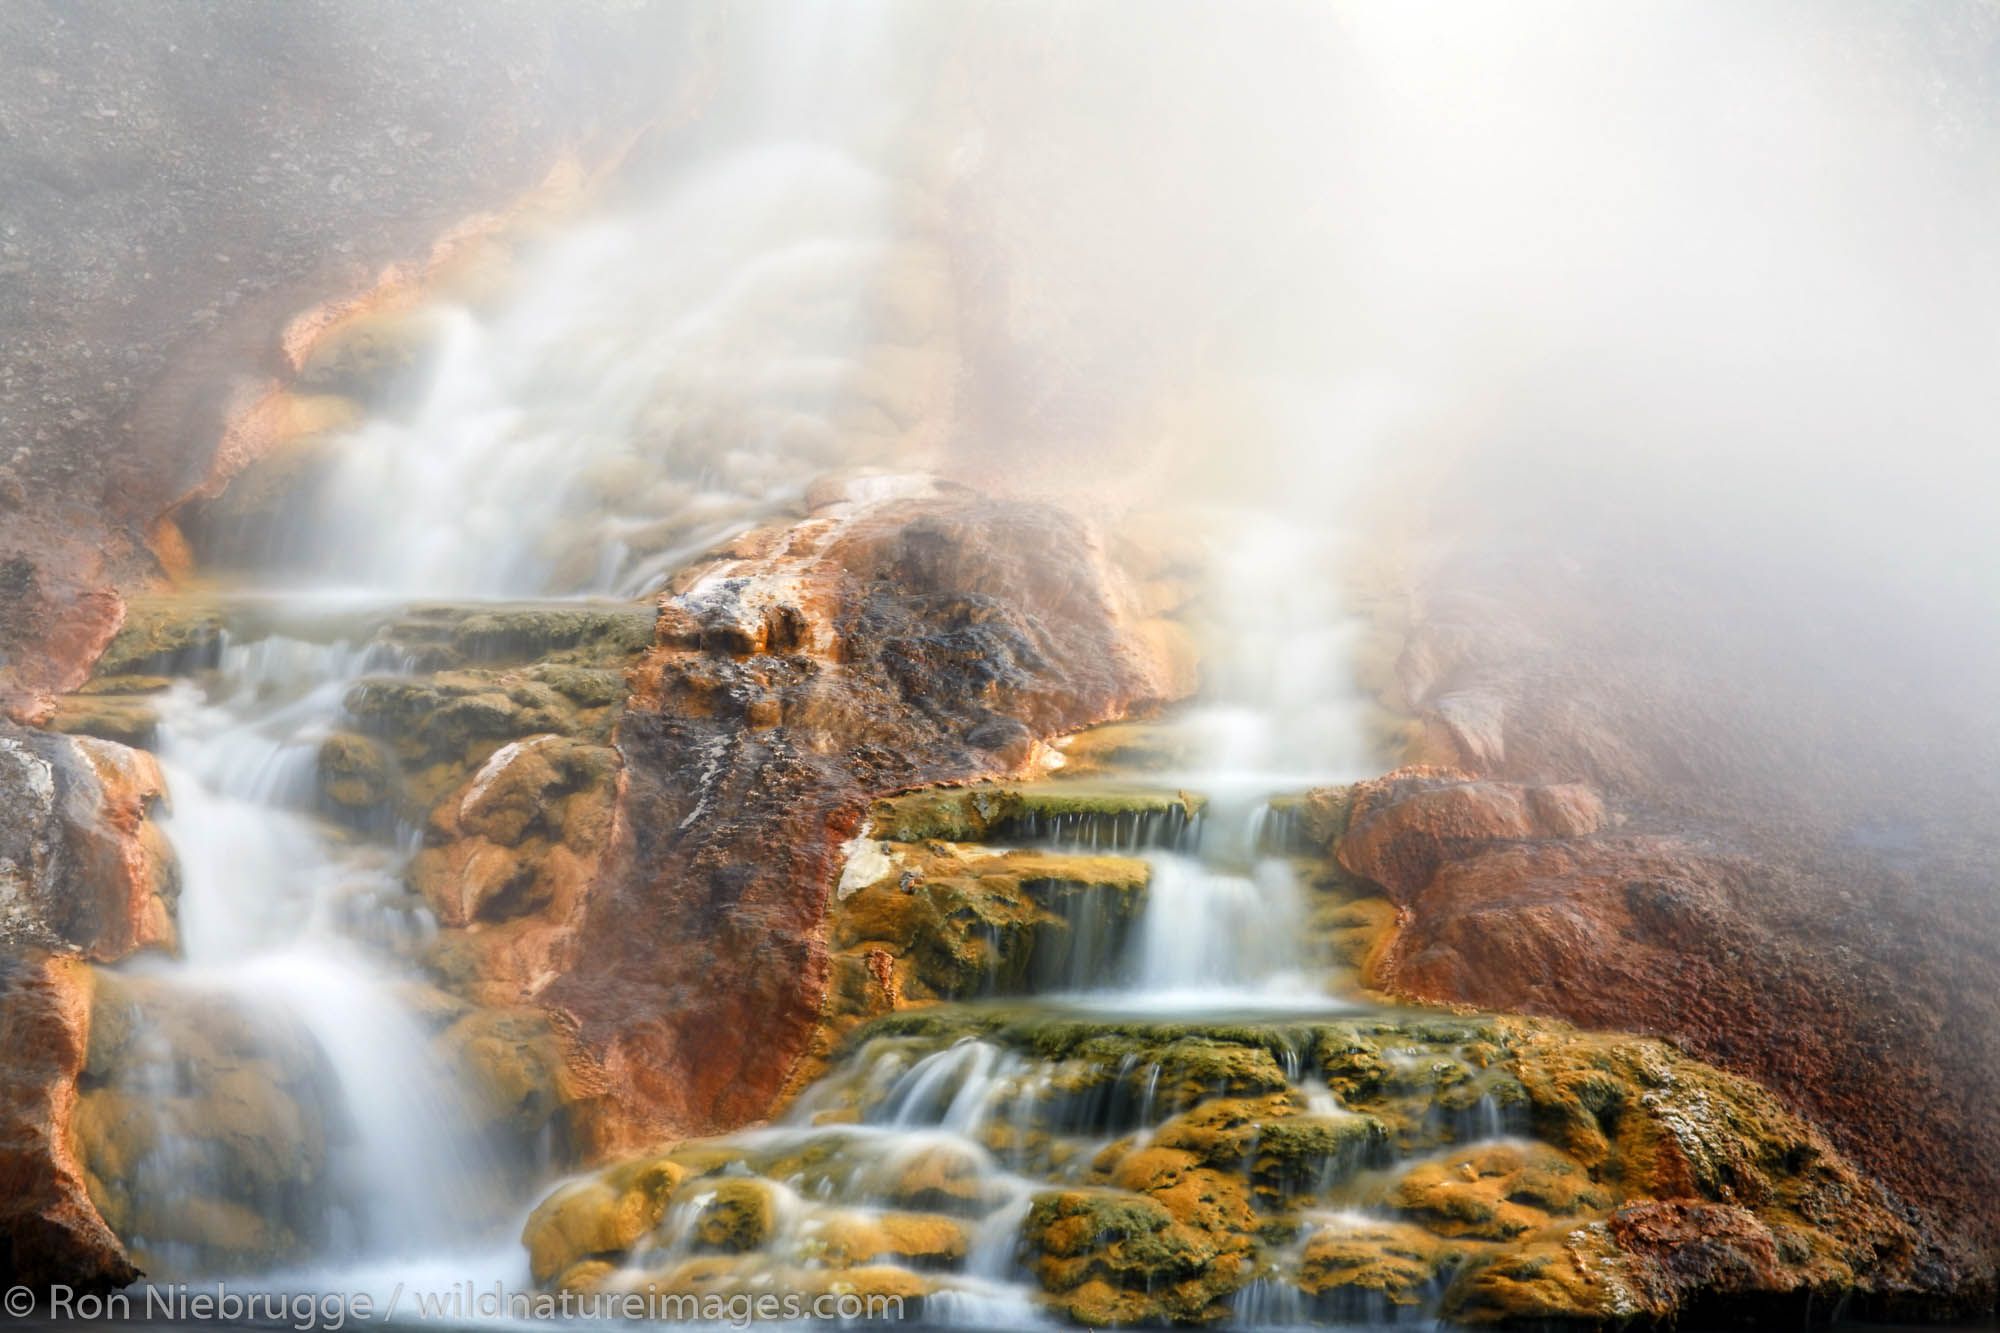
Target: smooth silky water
(682,370)
(657,379)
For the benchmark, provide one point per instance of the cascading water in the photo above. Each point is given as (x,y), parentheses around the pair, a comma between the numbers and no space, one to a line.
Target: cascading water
(682,407)
(657,380)
(287,918)
(1277,714)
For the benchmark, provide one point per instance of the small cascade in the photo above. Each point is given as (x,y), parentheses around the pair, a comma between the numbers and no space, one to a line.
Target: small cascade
(1173,828)
(1278,828)
(1209,931)
(950,1144)
(283,1092)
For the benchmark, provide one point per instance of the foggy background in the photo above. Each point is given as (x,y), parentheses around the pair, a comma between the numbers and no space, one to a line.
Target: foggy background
(1661,333)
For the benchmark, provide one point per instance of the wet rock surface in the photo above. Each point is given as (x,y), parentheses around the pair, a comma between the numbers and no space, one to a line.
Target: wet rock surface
(877,645)
(212,1137)
(50,1231)
(502,733)
(82,865)
(1484,1169)
(1135,1169)
(1538,904)
(205,1129)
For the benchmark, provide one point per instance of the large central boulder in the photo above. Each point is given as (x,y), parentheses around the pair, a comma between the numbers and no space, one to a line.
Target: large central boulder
(899,635)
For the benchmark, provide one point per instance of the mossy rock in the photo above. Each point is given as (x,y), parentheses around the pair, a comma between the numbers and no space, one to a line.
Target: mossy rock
(165,636)
(1186,1159)
(738,1216)
(132,720)
(1500,1192)
(599,1219)
(958,923)
(127,685)
(602,635)
(1094,815)
(918,1240)
(515,1069)
(440,728)
(938,1178)
(1316,1152)
(1109,1257)
(1125,747)
(586,687)
(1362,1266)
(356,776)
(248,1096)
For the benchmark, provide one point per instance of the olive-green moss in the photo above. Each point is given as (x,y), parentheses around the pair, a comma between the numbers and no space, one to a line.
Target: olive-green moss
(990,812)
(959,922)
(164,636)
(602,635)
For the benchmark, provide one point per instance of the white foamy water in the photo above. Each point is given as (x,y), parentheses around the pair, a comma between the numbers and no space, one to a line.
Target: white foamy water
(658,377)
(659,380)
(269,898)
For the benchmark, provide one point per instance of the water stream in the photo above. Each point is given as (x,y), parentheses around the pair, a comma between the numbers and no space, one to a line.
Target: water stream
(658,379)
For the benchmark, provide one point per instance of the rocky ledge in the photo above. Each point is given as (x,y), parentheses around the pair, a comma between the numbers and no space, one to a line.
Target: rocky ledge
(596,788)
(1479,1168)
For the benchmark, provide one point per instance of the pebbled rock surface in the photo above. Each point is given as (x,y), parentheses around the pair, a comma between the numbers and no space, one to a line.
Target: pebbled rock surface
(1794,885)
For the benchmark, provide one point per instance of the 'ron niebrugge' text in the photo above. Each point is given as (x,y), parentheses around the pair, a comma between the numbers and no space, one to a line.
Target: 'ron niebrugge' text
(330,1311)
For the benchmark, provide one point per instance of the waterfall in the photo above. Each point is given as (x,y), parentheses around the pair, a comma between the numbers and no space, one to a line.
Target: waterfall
(660,380)
(280,921)
(674,370)
(667,373)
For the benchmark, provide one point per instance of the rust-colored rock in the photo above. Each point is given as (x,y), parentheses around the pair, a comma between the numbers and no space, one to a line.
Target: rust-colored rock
(1793,889)
(902,636)
(81,864)
(57,610)
(49,1230)
(514,854)
(1402,827)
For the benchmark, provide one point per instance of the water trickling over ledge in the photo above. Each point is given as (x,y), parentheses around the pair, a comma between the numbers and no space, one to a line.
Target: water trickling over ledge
(1089,1047)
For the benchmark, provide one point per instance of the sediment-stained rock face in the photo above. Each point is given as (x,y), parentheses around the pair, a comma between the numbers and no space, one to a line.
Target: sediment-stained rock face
(899,635)
(58,610)
(1349,1169)
(49,1229)
(82,866)
(1527,898)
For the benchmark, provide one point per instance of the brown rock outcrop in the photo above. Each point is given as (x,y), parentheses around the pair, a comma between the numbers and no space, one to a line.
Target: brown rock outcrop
(1401,828)
(84,874)
(57,612)
(900,635)
(81,864)
(49,1230)
(1791,890)
(514,854)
